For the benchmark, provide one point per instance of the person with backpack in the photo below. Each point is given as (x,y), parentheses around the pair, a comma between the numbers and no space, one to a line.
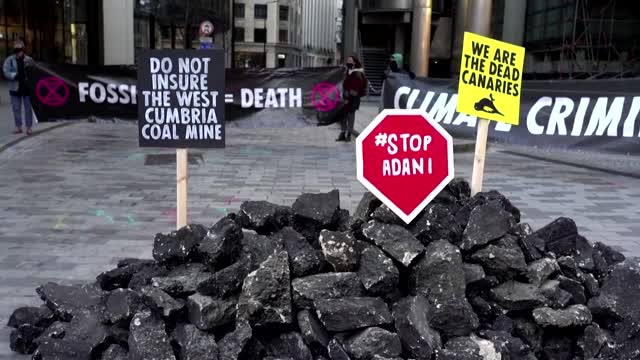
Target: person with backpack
(354,87)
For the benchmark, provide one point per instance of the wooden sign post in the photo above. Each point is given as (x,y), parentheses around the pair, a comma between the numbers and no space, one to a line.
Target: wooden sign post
(490,81)
(182,175)
(171,115)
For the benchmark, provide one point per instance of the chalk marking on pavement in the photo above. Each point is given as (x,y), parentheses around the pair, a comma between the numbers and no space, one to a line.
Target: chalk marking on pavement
(131,220)
(101,213)
(60,222)
(228,200)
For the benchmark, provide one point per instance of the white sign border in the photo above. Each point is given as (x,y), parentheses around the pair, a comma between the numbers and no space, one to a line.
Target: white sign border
(207,22)
(407,218)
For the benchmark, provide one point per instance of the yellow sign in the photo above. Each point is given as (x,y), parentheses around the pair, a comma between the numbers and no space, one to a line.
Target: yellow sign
(490,79)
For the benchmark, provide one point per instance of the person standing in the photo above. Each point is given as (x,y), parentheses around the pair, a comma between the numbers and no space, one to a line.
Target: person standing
(14,70)
(354,87)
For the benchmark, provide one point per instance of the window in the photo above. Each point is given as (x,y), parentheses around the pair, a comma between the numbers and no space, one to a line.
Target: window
(260,35)
(238,10)
(239,34)
(284,13)
(284,36)
(260,11)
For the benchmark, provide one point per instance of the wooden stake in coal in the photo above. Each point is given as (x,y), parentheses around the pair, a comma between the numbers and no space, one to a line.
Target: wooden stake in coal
(490,81)
(178,107)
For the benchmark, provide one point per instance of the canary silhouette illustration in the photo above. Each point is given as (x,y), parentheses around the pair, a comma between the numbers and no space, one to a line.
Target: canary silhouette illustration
(487,106)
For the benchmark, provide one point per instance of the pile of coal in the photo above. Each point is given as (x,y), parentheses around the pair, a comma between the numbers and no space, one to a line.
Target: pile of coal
(465,281)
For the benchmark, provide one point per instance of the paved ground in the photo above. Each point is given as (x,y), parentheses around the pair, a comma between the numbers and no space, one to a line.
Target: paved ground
(74,200)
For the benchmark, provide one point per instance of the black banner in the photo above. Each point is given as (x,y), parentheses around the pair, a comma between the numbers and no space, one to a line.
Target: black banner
(596,115)
(254,98)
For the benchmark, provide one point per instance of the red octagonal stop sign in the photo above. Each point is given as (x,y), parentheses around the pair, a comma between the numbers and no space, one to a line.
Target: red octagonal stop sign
(405,159)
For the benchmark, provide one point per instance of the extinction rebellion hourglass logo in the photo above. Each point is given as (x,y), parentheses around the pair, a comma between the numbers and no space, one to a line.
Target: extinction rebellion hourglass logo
(52,91)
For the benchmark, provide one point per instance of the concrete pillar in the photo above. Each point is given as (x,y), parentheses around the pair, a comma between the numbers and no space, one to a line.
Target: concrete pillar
(515,15)
(350,28)
(118,32)
(462,6)
(273,27)
(479,17)
(421,37)
(399,41)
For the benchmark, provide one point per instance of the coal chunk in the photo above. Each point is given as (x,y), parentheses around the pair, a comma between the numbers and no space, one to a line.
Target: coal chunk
(35,316)
(239,344)
(325,286)
(314,212)
(304,259)
(266,293)
(592,341)
(161,302)
(367,205)
(532,247)
(418,338)
(115,352)
(385,215)
(339,250)
(487,222)
(22,339)
(507,346)
(463,214)
(501,262)
(611,256)
(221,246)
(437,222)
(288,345)
(584,254)
(207,313)
(121,304)
(225,282)
(473,274)
(569,267)
(514,295)
(372,341)
(591,285)
(83,336)
(148,338)
(182,281)
(121,276)
(618,300)
(350,313)
(194,344)
(574,288)
(377,272)
(257,248)
(67,301)
(313,332)
(540,270)
(574,315)
(144,275)
(336,351)
(395,241)
(265,217)
(556,297)
(559,236)
(453,317)
(178,246)
(439,274)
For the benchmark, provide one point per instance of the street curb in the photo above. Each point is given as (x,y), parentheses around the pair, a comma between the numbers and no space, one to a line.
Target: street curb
(466,147)
(569,163)
(4,147)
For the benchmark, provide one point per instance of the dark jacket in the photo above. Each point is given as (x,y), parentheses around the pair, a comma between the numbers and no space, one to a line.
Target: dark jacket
(354,86)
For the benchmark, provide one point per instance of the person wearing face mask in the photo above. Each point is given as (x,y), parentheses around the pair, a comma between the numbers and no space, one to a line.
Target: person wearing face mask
(14,70)
(354,87)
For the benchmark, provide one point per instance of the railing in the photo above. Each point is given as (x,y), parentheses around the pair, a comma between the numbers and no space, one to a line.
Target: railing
(371,89)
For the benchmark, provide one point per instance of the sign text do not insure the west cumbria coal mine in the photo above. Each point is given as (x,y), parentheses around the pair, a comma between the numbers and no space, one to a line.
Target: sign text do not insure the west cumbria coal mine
(181,99)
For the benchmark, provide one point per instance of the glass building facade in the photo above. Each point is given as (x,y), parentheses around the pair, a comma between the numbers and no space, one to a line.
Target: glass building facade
(71,31)
(53,30)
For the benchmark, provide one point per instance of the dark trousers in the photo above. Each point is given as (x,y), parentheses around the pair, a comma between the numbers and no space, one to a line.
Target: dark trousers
(347,122)
(17,103)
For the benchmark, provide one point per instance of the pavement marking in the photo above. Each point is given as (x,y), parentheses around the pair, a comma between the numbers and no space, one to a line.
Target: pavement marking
(101,213)
(60,222)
